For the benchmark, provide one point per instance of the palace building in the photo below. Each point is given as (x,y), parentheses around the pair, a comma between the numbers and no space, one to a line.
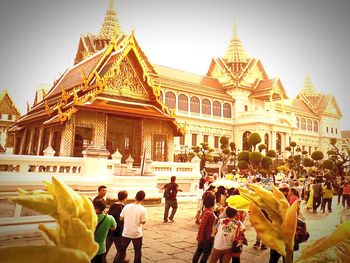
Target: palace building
(114,97)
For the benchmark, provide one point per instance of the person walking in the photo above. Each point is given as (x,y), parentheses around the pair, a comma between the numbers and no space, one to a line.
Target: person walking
(318,191)
(101,193)
(340,191)
(170,192)
(327,197)
(105,224)
(226,232)
(115,237)
(134,216)
(200,193)
(346,194)
(205,238)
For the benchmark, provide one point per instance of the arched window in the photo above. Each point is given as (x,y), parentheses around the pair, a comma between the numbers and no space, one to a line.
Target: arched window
(183,102)
(206,107)
(245,144)
(278,143)
(194,105)
(266,140)
(303,124)
(298,122)
(216,108)
(245,107)
(170,100)
(315,126)
(227,110)
(309,125)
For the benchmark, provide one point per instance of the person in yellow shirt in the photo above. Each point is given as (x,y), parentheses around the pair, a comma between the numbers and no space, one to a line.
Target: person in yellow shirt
(327,197)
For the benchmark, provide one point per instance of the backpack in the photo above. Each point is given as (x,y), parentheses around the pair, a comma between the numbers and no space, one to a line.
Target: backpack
(170,191)
(301,234)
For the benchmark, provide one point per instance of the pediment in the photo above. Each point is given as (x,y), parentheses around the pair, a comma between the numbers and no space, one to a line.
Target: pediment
(127,83)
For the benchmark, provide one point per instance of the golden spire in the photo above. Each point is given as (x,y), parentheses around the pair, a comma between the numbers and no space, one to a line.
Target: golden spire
(110,27)
(309,88)
(235,51)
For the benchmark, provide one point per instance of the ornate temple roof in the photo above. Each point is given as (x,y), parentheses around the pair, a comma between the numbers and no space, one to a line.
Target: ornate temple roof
(7,104)
(235,52)
(90,44)
(93,81)
(321,104)
(110,27)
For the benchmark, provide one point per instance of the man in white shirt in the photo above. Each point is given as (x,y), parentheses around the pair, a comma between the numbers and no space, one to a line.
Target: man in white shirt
(134,216)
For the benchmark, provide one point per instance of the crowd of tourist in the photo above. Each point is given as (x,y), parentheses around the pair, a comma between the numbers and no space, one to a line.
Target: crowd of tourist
(221,228)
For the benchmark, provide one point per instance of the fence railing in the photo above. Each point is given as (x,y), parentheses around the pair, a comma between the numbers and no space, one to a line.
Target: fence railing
(84,175)
(28,164)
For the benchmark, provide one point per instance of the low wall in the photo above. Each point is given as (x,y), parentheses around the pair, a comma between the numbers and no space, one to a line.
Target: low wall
(28,173)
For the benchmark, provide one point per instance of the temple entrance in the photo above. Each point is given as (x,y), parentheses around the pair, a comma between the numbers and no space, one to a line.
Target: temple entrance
(83,137)
(125,134)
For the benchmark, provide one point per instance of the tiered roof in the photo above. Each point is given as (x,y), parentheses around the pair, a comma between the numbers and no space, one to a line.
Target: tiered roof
(235,69)
(317,102)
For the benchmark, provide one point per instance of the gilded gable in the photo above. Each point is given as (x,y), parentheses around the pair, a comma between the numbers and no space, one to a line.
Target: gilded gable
(253,75)
(126,84)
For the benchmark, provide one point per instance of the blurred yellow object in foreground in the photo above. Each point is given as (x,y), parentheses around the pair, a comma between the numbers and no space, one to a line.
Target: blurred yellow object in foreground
(72,240)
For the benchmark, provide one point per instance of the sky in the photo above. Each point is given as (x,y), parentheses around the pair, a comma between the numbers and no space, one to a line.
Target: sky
(39,39)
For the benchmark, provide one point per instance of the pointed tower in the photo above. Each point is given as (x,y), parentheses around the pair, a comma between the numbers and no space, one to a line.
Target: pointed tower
(235,52)
(110,27)
(309,91)
(309,88)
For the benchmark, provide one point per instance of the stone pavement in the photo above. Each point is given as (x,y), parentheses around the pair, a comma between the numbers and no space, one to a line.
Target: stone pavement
(176,242)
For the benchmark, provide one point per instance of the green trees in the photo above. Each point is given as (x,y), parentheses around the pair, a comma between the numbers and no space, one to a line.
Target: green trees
(204,152)
(254,139)
(340,159)
(228,152)
(254,160)
(295,159)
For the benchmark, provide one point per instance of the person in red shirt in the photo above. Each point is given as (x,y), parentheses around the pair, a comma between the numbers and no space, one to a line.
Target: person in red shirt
(346,194)
(205,237)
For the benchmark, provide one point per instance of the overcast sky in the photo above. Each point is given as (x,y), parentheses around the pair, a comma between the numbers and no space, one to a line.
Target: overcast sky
(39,39)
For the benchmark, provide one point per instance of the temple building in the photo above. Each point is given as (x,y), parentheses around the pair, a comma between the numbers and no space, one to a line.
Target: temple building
(9,113)
(114,97)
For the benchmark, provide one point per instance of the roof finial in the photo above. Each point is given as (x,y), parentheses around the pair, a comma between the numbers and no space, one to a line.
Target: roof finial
(110,26)
(111,4)
(235,51)
(309,88)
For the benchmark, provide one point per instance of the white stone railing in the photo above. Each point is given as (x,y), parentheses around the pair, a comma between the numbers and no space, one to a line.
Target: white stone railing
(174,168)
(84,175)
(28,164)
(262,115)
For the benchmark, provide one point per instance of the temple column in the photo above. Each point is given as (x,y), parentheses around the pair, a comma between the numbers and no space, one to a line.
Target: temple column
(283,144)
(41,133)
(14,142)
(30,147)
(50,137)
(273,140)
(21,149)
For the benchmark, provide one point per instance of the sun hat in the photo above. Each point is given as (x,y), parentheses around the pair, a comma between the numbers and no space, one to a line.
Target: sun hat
(283,186)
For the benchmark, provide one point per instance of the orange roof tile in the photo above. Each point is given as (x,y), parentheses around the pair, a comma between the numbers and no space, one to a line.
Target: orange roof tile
(185,81)
(345,134)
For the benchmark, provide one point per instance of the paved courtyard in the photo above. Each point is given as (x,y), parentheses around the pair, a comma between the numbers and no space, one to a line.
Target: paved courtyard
(176,242)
